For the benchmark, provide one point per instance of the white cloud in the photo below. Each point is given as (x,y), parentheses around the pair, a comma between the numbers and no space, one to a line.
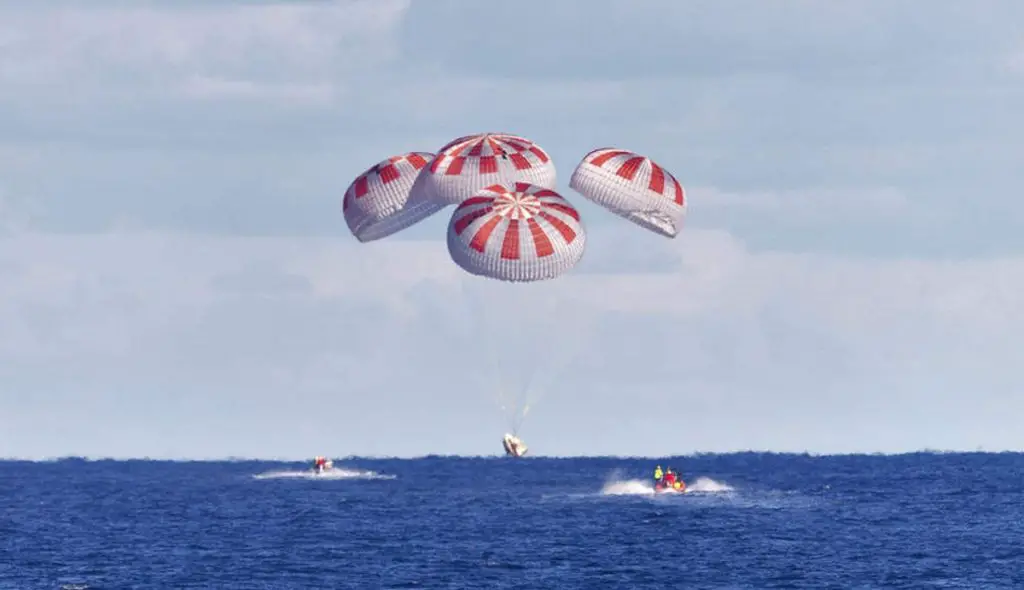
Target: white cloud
(15,214)
(227,110)
(807,205)
(208,88)
(1016,62)
(268,333)
(192,49)
(805,128)
(870,40)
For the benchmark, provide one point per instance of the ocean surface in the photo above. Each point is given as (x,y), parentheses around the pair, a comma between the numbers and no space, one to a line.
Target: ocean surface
(752,520)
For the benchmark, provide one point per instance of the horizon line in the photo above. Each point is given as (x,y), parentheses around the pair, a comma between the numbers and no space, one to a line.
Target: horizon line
(694,454)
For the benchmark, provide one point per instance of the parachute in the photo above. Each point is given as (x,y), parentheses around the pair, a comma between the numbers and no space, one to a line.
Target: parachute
(509,236)
(521,232)
(470,163)
(377,204)
(517,239)
(633,187)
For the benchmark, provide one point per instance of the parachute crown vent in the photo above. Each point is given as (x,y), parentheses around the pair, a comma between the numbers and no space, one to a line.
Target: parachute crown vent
(516,232)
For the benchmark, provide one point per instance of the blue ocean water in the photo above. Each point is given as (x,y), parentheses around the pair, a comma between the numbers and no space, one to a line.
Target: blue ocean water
(754,520)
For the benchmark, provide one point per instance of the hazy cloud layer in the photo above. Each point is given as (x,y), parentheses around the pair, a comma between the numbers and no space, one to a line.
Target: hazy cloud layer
(251,118)
(176,277)
(336,344)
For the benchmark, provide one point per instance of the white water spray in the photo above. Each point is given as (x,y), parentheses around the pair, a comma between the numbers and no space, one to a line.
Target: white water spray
(336,473)
(640,487)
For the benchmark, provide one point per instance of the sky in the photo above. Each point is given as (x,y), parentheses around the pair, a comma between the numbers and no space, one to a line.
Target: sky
(177,280)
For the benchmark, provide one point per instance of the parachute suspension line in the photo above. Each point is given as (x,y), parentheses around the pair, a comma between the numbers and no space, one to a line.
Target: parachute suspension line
(521,330)
(548,352)
(476,297)
(537,343)
(522,339)
(495,356)
(478,237)
(556,349)
(474,324)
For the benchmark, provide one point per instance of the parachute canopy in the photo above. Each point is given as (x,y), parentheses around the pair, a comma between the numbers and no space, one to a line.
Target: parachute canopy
(465,165)
(516,232)
(377,204)
(634,187)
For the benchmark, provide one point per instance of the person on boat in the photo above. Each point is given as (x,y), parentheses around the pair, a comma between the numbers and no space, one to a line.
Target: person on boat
(670,478)
(320,463)
(677,481)
(658,474)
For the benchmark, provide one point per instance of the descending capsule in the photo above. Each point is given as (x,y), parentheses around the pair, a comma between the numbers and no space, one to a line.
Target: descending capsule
(634,187)
(467,164)
(516,232)
(378,203)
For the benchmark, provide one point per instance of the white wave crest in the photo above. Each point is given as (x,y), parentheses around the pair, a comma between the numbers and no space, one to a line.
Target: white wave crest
(336,473)
(629,487)
(638,487)
(708,486)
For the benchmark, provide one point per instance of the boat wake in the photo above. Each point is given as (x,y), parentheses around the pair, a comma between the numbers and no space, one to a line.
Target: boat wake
(336,473)
(638,487)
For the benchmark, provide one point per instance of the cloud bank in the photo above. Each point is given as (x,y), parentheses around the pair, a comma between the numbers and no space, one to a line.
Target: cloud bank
(187,345)
(176,278)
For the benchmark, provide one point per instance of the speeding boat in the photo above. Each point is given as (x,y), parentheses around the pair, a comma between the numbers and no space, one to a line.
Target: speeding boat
(669,483)
(661,487)
(322,464)
(513,446)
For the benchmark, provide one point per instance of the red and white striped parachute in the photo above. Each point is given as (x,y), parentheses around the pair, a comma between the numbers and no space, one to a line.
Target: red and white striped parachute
(378,204)
(634,187)
(470,163)
(516,232)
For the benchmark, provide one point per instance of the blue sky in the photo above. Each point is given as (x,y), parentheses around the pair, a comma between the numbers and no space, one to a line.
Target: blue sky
(176,278)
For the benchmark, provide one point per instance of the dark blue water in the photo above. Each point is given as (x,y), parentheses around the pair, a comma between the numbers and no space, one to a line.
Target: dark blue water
(761,521)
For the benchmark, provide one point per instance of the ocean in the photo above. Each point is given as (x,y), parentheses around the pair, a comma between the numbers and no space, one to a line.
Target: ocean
(752,520)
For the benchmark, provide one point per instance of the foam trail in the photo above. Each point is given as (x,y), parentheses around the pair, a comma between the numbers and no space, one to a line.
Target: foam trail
(639,487)
(708,486)
(336,473)
(629,487)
